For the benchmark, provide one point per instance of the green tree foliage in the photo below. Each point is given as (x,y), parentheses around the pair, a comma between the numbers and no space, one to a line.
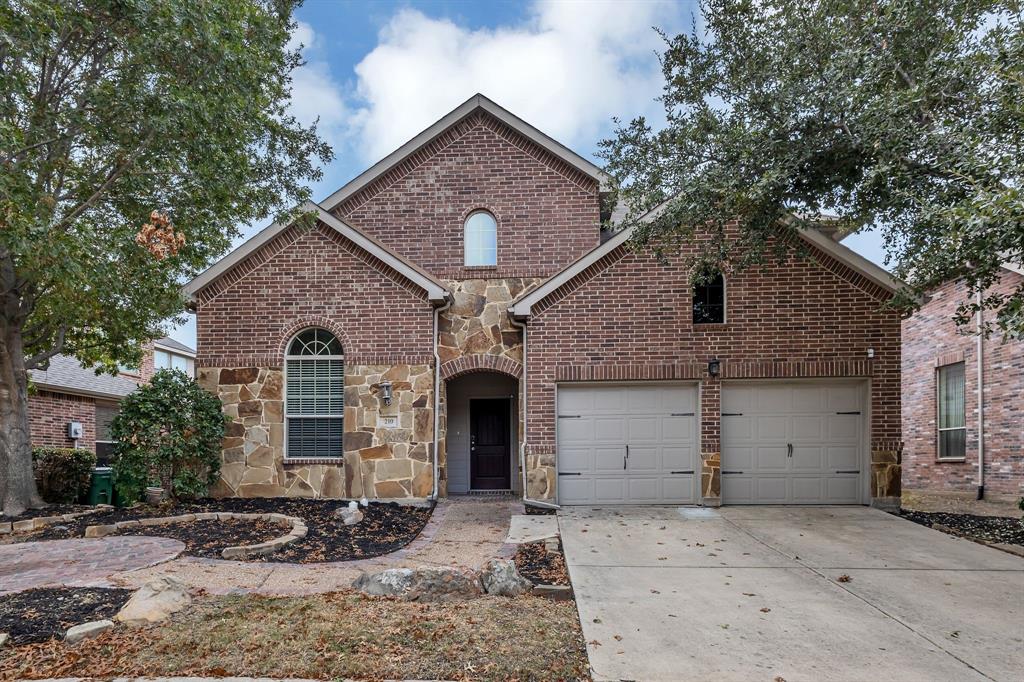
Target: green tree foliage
(907,115)
(167,433)
(135,135)
(63,474)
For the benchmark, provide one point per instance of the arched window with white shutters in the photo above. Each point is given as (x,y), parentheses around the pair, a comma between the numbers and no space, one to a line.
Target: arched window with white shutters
(314,401)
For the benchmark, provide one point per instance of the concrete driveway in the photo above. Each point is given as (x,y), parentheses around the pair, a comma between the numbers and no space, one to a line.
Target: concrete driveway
(754,593)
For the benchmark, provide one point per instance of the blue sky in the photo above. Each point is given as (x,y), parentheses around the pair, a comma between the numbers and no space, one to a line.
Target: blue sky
(377,73)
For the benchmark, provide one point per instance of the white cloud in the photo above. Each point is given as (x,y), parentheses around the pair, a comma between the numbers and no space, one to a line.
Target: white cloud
(315,93)
(568,70)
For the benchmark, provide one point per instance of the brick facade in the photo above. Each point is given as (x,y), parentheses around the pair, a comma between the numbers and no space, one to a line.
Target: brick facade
(548,213)
(49,414)
(628,318)
(932,339)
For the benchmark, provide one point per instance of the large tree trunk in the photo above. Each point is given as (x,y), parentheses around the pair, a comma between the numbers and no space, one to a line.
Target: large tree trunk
(17,482)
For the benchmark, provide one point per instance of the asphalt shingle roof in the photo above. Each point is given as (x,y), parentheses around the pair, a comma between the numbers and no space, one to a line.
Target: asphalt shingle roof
(68,374)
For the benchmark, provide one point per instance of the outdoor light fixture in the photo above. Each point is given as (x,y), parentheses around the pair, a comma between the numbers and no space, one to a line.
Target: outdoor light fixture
(385,392)
(714,367)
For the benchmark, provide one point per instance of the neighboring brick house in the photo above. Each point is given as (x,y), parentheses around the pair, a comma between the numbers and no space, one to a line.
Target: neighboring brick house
(458,293)
(941,419)
(67,392)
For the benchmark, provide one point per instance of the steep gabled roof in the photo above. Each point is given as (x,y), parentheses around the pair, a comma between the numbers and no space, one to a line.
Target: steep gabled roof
(436,292)
(167,343)
(523,307)
(475,103)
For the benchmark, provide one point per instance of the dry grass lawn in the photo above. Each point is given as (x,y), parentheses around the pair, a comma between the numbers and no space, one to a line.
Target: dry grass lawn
(340,635)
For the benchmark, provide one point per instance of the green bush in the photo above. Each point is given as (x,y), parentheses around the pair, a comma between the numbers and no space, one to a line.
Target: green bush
(168,433)
(63,474)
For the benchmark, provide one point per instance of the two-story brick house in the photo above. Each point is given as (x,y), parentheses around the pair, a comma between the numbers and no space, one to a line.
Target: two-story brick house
(963,399)
(451,321)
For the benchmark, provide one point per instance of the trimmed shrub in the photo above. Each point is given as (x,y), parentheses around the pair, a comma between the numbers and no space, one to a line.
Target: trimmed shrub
(168,433)
(63,474)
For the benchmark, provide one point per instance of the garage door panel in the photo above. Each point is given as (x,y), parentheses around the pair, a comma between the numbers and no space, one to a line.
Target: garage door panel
(596,424)
(843,427)
(771,428)
(790,443)
(574,431)
(677,457)
(609,429)
(643,459)
(842,457)
(808,428)
(771,489)
(609,459)
(808,458)
(643,429)
(772,458)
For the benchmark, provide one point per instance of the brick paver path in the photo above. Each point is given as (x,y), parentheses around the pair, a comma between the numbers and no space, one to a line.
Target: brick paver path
(79,562)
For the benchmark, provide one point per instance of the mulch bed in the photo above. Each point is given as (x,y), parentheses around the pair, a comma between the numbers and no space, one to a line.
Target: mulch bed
(49,510)
(540,567)
(988,529)
(41,614)
(385,528)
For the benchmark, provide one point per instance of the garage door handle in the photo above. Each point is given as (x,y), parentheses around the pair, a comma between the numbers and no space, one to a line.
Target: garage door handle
(681,414)
(569,473)
(856,412)
(732,472)
(789,449)
(848,472)
(688,471)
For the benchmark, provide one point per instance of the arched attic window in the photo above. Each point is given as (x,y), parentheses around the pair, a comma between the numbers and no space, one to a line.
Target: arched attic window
(314,395)
(480,239)
(709,301)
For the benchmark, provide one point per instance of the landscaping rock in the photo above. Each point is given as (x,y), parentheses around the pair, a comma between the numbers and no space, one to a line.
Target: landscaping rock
(349,517)
(500,577)
(99,531)
(3,638)
(553,592)
(87,631)
(155,601)
(421,584)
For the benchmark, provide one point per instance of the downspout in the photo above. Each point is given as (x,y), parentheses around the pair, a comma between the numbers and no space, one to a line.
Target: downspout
(981,400)
(522,445)
(437,400)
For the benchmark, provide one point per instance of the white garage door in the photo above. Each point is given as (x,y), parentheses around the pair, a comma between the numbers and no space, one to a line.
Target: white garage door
(627,444)
(792,443)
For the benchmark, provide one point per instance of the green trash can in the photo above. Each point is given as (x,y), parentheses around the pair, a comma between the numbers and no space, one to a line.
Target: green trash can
(101,487)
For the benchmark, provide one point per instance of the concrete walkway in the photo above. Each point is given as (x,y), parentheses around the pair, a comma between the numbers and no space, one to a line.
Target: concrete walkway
(757,593)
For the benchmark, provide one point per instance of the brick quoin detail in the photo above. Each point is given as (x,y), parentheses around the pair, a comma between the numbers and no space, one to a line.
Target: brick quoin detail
(931,339)
(481,363)
(548,212)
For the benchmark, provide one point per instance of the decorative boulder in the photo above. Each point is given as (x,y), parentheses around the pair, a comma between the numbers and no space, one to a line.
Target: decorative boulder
(421,584)
(86,631)
(155,601)
(349,517)
(500,577)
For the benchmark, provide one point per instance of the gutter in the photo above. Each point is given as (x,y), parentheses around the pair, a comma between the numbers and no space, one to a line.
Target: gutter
(522,445)
(981,400)
(437,400)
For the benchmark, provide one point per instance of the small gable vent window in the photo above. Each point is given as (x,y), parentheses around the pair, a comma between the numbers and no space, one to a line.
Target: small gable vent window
(481,239)
(314,395)
(709,301)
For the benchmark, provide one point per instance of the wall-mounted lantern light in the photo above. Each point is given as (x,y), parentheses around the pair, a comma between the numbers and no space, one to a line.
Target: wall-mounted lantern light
(714,367)
(385,392)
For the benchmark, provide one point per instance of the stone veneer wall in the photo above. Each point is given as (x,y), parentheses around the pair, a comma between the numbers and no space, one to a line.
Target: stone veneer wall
(476,334)
(378,462)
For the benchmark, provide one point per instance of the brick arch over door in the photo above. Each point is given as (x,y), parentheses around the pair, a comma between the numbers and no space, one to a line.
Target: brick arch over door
(307,322)
(468,364)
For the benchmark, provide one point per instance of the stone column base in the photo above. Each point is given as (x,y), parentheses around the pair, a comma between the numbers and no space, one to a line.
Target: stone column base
(711,502)
(889,504)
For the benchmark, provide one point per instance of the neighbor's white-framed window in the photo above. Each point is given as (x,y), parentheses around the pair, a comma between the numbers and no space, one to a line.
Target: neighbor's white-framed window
(164,360)
(314,401)
(481,239)
(952,411)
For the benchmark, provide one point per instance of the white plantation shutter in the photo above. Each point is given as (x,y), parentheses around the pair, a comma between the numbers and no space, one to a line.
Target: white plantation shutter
(315,395)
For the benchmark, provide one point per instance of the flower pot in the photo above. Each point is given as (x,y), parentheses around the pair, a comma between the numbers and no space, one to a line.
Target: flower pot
(154,495)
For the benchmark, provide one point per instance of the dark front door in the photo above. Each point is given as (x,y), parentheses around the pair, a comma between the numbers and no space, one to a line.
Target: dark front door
(489,446)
